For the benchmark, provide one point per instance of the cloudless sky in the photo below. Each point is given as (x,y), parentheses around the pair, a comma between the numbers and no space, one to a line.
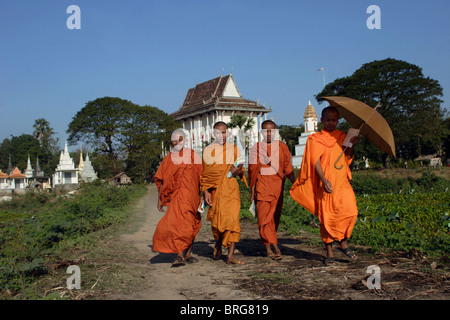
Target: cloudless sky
(152,52)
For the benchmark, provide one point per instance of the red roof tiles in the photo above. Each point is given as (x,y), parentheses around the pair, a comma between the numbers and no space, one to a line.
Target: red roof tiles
(16,174)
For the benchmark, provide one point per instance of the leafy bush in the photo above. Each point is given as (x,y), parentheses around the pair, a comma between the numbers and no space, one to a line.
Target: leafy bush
(36,225)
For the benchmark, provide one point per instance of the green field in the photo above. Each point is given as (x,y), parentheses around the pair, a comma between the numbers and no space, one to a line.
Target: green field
(408,213)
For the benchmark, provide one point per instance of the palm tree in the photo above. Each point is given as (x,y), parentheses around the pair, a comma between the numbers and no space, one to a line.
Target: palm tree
(41,127)
(244,124)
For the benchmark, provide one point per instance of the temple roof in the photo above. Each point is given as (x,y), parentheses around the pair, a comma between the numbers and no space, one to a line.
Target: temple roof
(3,175)
(16,174)
(220,93)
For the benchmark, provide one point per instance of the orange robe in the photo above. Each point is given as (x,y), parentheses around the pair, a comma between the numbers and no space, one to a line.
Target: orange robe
(178,182)
(337,211)
(268,165)
(226,202)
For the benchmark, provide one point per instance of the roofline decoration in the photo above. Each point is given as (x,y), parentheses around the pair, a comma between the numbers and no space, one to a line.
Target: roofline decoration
(209,96)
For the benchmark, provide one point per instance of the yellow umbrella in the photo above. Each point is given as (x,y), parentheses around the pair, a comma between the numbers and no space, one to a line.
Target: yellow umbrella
(371,124)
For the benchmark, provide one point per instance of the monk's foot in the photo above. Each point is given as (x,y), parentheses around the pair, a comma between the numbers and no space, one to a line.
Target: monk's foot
(270,254)
(217,253)
(178,261)
(235,261)
(330,261)
(348,252)
(277,256)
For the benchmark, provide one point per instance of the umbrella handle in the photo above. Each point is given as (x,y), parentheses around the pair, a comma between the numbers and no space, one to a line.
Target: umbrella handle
(360,127)
(335,163)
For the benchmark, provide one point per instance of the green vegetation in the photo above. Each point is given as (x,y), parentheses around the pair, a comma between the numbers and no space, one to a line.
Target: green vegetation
(395,213)
(276,277)
(38,229)
(416,222)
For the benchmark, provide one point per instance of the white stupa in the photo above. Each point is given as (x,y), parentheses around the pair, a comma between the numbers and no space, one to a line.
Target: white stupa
(65,172)
(87,173)
(29,170)
(310,118)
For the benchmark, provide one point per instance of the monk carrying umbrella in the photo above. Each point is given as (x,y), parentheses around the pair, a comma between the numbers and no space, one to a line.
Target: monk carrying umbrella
(323,189)
(323,186)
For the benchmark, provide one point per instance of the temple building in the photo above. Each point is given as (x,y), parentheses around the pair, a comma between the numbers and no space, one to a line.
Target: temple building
(216,100)
(310,118)
(65,172)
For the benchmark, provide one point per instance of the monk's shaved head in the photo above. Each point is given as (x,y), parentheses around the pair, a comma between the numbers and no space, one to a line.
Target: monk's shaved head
(220,123)
(268,123)
(329,109)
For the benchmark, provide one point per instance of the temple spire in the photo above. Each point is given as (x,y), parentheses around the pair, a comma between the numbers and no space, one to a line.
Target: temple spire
(29,170)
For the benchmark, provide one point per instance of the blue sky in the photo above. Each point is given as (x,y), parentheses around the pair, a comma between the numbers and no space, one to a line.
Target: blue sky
(152,52)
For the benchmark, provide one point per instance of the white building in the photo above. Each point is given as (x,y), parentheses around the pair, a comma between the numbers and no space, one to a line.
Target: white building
(86,170)
(212,101)
(17,180)
(310,118)
(4,184)
(65,172)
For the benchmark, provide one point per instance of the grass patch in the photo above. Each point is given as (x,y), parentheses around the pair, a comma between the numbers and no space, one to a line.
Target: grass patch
(42,234)
(277,277)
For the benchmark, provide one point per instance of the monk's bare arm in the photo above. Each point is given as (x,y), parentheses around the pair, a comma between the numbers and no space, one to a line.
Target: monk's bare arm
(158,205)
(327,186)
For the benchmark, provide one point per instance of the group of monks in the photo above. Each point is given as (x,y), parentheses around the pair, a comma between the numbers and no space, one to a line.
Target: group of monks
(189,185)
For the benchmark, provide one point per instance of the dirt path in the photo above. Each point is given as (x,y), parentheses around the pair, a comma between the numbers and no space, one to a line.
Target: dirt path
(300,275)
(208,279)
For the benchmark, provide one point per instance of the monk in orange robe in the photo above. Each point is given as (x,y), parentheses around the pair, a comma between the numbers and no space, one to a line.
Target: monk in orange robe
(269,164)
(323,189)
(221,192)
(178,182)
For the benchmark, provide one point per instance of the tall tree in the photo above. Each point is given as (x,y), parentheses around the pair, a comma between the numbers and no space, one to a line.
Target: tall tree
(99,124)
(148,127)
(409,102)
(19,148)
(123,134)
(49,150)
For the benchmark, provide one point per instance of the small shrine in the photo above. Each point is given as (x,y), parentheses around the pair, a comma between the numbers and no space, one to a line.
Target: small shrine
(17,180)
(3,180)
(87,173)
(29,170)
(310,118)
(65,172)
(13,179)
